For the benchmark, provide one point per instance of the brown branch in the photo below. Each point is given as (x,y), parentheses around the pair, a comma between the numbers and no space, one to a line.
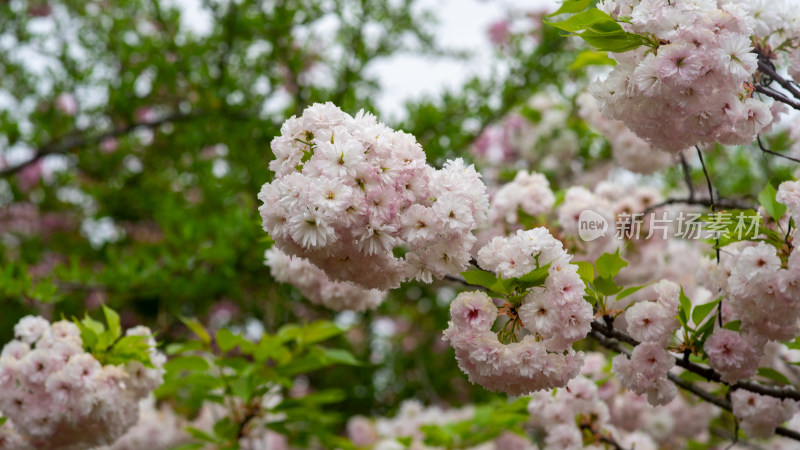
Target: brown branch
(612,343)
(772,152)
(766,67)
(722,204)
(77,140)
(687,176)
(769,92)
(705,372)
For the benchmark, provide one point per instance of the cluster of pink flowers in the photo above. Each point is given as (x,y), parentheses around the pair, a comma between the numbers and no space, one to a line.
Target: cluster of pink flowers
(629,150)
(59,396)
(689,89)
(646,372)
(730,354)
(759,291)
(555,314)
(759,415)
(652,323)
(517,368)
(349,191)
(528,192)
(315,285)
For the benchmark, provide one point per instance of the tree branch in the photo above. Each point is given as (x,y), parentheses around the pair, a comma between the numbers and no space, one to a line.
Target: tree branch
(769,92)
(766,67)
(698,202)
(76,140)
(772,152)
(611,342)
(705,372)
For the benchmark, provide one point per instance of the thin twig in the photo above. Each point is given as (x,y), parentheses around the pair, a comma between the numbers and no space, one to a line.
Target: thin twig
(772,152)
(687,176)
(766,67)
(77,140)
(705,372)
(723,205)
(769,92)
(612,344)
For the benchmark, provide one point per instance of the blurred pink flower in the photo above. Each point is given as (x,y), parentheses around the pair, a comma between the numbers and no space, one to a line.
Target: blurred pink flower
(500,32)
(67,104)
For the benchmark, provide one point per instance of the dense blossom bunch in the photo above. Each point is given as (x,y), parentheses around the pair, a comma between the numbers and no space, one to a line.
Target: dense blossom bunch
(349,191)
(760,291)
(545,142)
(528,192)
(689,89)
(315,285)
(654,321)
(555,314)
(629,150)
(517,368)
(646,372)
(730,354)
(157,429)
(759,415)
(385,433)
(59,396)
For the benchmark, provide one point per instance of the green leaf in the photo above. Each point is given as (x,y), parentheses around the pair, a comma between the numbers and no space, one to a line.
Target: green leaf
(572,6)
(227,340)
(341,356)
(614,41)
(202,435)
(767,199)
(608,265)
(591,19)
(198,329)
(535,277)
(606,286)
(193,363)
(628,291)
(319,331)
(774,375)
(734,325)
(93,325)
(112,319)
(88,335)
(271,347)
(479,277)
(684,308)
(585,271)
(591,58)
(701,311)
(130,348)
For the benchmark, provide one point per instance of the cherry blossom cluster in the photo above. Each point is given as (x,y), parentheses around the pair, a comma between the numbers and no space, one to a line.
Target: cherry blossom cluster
(157,429)
(350,191)
(59,396)
(759,291)
(689,89)
(759,415)
(517,368)
(529,193)
(628,150)
(315,285)
(556,315)
(384,432)
(546,143)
